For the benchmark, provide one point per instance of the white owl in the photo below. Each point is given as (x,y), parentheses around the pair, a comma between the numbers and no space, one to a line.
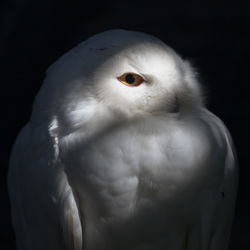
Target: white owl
(121,154)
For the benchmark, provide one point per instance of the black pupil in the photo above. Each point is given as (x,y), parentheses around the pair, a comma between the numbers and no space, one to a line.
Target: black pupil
(129,78)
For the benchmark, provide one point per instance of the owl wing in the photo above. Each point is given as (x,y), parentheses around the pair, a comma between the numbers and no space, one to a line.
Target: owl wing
(44,208)
(217,226)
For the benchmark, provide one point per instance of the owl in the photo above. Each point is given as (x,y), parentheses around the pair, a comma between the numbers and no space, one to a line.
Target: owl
(121,153)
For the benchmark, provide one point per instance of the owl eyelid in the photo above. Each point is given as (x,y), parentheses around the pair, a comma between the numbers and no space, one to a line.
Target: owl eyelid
(130,72)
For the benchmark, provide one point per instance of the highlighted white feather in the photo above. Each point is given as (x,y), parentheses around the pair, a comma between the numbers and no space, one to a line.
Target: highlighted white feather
(114,166)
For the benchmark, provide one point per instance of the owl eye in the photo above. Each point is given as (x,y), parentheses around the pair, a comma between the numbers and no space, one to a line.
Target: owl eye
(130,79)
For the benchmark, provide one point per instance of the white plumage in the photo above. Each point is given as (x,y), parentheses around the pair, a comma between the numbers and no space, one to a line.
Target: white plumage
(105,165)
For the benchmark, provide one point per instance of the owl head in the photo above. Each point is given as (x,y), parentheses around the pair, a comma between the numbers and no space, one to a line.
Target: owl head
(116,72)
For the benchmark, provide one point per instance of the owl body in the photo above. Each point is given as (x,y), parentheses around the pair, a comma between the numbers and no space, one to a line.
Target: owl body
(105,165)
(142,178)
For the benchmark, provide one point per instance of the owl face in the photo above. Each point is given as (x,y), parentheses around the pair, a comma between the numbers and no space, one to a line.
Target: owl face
(145,77)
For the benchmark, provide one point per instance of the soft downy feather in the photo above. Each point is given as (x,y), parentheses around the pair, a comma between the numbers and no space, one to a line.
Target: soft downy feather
(106,166)
(68,210)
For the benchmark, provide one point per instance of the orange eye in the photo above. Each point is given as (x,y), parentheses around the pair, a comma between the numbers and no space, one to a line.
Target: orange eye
(130,79)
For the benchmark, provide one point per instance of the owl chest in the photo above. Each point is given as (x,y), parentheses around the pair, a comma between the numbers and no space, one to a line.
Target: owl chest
(123,175)
(129,167)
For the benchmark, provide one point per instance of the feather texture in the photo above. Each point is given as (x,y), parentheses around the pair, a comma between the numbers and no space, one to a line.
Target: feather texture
(103,165)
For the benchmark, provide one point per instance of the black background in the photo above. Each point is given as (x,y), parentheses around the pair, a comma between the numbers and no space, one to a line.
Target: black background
(214,35)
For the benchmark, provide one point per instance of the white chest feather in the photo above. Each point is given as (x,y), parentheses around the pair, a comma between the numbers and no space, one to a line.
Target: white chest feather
(146,171)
